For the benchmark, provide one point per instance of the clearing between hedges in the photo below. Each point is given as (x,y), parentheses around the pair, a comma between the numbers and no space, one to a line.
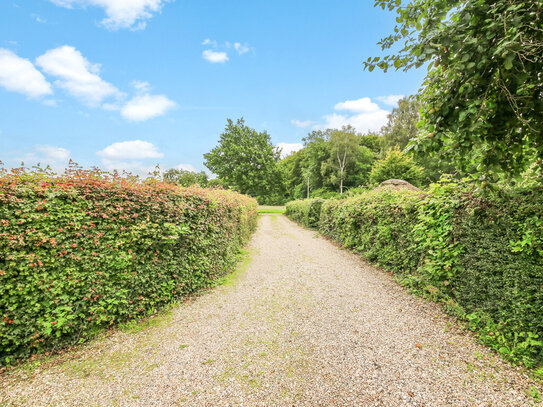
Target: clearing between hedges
(303,323)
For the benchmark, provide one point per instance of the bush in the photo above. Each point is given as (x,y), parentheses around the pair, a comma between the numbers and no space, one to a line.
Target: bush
(480,253)
(307,211)
(396,165)
(85,250)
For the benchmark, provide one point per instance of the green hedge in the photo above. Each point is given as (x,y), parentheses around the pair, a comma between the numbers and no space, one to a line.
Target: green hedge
(85,250)
(307,211)
(480,254)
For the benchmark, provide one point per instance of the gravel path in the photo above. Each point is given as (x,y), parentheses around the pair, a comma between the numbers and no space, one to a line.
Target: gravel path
(304,324)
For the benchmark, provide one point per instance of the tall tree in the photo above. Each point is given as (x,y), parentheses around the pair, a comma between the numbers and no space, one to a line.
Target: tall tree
(401,126)
(345,149)
(483,95)
(247,160)
(316,152)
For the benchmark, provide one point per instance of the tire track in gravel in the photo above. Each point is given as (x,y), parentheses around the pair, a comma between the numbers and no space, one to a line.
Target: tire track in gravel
(305,324)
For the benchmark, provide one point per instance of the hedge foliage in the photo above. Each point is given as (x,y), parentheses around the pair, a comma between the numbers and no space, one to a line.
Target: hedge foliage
(85,250)
(306,212)
(479,253)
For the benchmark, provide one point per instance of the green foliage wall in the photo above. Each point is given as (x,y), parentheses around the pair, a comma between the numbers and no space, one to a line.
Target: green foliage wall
(307,211)
(82,251)
(481,254)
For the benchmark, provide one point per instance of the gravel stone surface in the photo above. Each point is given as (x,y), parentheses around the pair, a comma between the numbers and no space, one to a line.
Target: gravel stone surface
(304,324)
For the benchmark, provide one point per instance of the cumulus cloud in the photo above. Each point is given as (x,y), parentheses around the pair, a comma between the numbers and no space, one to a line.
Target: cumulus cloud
(362,122)
(120,13)
(362,105)
(215,56)
(144,107)
(390,100)
(289,148)
(302,124)
(363,114)
(20,75)
(130,150)
(131,156)
(76,74)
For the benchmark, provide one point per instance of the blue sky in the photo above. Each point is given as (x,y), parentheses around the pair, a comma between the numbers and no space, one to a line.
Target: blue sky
(128,86)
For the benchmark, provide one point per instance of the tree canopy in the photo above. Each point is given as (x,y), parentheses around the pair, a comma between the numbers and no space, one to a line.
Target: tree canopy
(482,99)
(401,126)
(247,160)
(186,178)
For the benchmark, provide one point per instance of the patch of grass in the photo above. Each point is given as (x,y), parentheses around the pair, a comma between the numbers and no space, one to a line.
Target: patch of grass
(230,279)
(183,346)
(137,325)
(271,209)
(535,394)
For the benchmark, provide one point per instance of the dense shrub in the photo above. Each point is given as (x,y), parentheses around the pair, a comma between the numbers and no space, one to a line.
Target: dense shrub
(378,224)
(307,211)
(396,165)
(84,250)
(480,253)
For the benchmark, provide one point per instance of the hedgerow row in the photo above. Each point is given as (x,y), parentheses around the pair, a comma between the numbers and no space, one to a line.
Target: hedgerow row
(480,254)
(85,250)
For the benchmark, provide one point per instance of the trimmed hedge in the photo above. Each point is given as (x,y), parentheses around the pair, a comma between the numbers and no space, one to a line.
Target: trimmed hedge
(307,211)
(480,254)
(85,250)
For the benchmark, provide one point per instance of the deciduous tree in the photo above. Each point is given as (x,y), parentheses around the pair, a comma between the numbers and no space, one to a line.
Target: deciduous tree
(482,98)
(247,160)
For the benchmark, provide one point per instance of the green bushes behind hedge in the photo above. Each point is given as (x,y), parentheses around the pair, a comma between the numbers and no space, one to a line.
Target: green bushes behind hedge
(306,212)
(481,254)
(83,251)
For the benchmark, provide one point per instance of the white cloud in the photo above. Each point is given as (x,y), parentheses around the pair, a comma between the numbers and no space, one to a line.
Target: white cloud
(128,155)
(144,107)
(241,48)
(55,157)
(390,100)
(186,167)
(364,105)
(20,75)
(76,74)
(363,122)
(302,124)
(54,153)
(289,148)
(214,56)
(141,86)
(130,150)
(208,41)
(120,13)
(364,116)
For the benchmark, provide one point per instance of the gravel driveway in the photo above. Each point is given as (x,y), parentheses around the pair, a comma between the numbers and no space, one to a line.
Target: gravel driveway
(303,324)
